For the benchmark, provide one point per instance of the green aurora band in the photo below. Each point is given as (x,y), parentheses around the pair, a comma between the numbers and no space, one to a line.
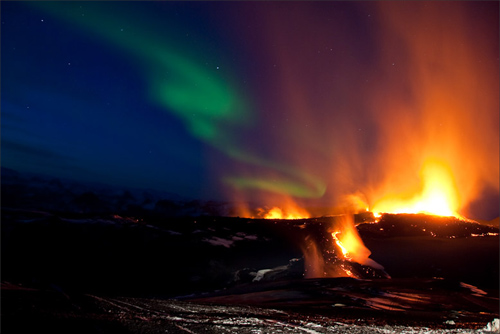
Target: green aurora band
(206,104)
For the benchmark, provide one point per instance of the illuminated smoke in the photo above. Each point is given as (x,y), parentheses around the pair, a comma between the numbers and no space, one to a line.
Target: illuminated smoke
(374,98)
(438,105)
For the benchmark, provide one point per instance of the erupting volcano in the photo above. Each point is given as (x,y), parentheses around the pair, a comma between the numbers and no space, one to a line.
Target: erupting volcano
(412,130)
(306,166)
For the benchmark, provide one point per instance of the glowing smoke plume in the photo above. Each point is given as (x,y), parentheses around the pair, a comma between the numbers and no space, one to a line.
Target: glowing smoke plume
(408,114)
(443,118)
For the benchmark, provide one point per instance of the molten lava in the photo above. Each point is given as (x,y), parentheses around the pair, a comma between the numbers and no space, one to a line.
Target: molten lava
(339,243)
(335,256)
(346,237)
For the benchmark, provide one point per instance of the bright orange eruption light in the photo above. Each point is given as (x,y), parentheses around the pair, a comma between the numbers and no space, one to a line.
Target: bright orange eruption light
(277,213)
(438,194)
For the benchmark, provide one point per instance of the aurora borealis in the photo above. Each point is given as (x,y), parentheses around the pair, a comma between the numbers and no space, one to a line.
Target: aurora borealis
(258,101)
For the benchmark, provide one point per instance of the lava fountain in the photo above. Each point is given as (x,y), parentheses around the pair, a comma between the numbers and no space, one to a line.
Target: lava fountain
(437,194)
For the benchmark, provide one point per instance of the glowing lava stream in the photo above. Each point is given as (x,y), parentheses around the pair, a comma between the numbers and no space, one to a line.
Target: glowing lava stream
(342,248)
(346,237)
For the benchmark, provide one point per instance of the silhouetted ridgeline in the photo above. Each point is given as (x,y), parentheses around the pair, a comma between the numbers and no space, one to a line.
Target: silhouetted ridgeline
(38,192)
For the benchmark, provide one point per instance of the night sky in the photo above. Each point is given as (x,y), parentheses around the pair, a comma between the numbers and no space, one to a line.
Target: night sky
(255,101)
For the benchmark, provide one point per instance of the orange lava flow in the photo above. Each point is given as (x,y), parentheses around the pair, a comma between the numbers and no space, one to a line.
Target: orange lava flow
(346,237)
(344,250)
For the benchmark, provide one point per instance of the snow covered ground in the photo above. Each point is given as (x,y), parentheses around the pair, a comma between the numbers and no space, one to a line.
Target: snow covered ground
(42,311)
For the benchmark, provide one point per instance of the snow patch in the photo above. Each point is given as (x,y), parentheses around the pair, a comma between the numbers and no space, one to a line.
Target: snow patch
(216,241)
(260,274)
(493,327)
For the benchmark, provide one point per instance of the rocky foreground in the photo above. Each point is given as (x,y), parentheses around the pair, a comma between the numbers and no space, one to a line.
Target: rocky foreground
(345,306)
(88,273)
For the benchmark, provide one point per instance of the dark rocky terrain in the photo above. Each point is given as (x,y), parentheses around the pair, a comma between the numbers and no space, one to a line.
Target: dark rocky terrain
(74,262)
